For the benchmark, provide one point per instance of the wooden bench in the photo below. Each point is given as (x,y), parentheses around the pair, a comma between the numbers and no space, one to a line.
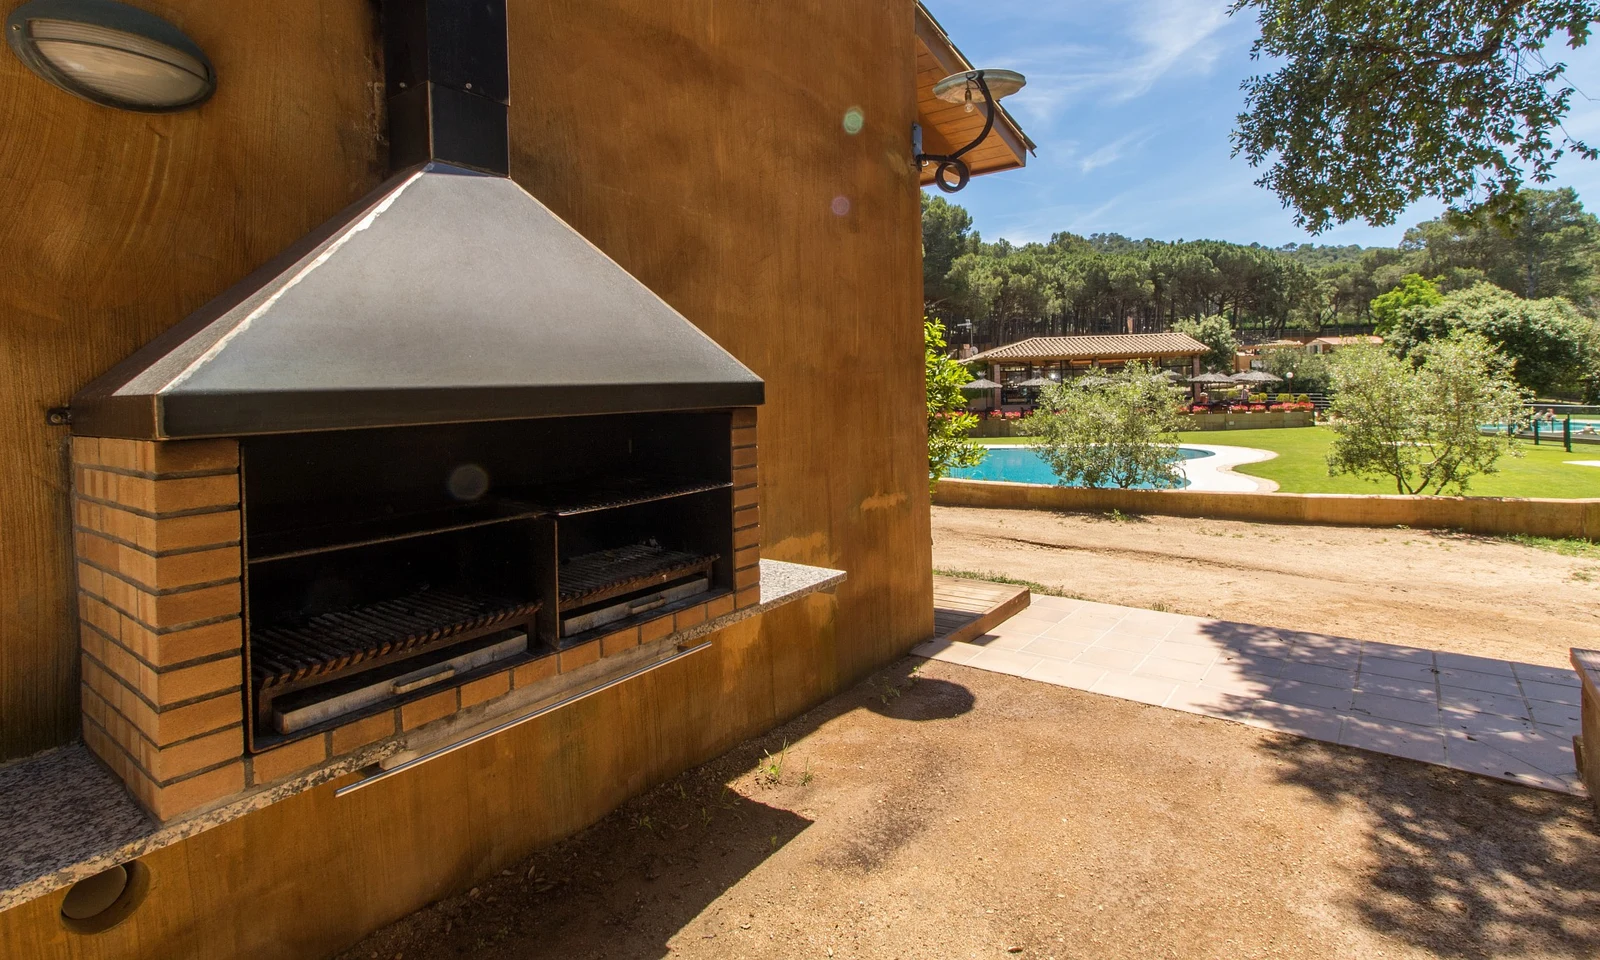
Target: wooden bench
(1587,663)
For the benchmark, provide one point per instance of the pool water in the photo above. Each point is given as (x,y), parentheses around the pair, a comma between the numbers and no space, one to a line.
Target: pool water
(1022,465)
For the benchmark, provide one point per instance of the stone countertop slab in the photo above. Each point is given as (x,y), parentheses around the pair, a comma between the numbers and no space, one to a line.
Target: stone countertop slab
(64,816)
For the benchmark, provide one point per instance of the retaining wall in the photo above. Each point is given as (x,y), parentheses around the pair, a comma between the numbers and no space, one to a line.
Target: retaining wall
(1493,516)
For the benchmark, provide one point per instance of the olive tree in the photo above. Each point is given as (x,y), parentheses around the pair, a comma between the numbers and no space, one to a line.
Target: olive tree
(1419,421)
(949,423)
(1115,430)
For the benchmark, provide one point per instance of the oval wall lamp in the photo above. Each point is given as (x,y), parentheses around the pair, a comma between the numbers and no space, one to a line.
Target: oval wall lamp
(970,87)
(112,54)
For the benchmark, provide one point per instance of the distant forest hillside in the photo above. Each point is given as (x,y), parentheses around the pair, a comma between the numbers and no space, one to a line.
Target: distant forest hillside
(1108,283)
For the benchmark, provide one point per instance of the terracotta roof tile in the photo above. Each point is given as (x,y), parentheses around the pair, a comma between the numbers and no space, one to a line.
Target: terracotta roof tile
(1113,347)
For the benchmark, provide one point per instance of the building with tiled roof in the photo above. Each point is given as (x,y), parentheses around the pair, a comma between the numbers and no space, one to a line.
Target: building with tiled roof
(1120,347)
(1058,358)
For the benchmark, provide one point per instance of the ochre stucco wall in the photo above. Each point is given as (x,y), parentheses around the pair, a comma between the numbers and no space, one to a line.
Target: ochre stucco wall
(699,143)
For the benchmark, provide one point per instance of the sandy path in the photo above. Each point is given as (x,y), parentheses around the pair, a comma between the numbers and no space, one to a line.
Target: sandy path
(970,814)
(1445,591)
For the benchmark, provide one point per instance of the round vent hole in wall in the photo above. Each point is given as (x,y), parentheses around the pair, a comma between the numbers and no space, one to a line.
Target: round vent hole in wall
(98,903)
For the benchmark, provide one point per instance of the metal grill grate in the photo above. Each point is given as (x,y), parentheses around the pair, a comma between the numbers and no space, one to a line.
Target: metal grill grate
(331,642)
(608,573)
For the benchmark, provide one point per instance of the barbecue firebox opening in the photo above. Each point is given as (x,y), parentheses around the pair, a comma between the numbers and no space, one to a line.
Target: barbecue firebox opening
(386,565)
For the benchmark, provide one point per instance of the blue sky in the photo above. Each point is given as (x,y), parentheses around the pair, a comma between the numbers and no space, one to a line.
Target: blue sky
(1131,103)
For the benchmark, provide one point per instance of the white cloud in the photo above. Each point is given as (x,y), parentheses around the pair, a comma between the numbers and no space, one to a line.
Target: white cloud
(1114,151)
(1149,40)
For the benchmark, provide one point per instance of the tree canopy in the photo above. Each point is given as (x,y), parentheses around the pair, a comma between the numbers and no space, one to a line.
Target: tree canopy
(1546,246)
(1545,341)
(1376,104)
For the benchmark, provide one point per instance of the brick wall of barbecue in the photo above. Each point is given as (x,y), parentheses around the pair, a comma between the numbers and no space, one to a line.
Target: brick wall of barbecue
(156,532)
(746,510)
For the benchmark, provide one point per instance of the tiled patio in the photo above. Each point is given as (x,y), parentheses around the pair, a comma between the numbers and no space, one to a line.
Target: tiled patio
(1511,721)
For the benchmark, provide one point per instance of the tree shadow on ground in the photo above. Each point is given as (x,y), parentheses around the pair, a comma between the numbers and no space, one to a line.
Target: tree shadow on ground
(684,844)
(1460,865)
(1457,864)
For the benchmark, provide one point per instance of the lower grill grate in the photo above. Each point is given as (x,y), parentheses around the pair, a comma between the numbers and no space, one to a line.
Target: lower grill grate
(332,642)
(609,573)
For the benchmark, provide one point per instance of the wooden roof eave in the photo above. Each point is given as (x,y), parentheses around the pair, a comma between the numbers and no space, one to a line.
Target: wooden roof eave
(944,124)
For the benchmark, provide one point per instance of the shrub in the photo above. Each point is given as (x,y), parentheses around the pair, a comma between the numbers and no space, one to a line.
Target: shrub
(1121,433)
(949,423)
(1417,423)
(1303,398)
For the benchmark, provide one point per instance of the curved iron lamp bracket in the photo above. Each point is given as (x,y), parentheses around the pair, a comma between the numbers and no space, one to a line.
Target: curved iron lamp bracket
(953,161)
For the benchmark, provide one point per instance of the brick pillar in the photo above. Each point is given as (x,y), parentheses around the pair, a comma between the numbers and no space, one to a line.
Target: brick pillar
(746,511)
(157,535)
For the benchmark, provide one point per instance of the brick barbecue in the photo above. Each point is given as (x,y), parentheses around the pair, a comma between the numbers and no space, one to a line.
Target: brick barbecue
(439,450)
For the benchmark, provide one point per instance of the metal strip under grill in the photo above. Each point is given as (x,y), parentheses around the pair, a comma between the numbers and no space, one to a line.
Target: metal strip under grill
(331,642)
(609,573)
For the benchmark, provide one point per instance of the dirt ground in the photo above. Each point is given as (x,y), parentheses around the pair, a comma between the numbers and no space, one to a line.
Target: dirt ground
(957,813)
(1456,592)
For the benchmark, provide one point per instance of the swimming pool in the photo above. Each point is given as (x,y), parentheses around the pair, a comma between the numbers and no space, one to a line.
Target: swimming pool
(1022,465)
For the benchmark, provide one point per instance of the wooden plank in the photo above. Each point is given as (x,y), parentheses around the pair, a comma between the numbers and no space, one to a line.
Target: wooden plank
(964,609)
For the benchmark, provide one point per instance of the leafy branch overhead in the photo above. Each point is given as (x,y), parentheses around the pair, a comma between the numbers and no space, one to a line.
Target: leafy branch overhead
(1380,103)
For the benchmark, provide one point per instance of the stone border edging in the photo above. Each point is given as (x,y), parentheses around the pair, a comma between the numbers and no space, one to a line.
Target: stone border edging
(1492,516)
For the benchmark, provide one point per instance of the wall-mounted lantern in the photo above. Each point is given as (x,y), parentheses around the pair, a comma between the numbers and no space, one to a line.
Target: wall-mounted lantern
(113,54)
(971,87)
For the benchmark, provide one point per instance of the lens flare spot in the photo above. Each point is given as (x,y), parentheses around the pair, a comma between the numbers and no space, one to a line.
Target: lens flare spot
(841,206)
(854,120)
(468,482)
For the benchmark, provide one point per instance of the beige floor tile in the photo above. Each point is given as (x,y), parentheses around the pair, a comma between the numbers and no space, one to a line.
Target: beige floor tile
(1461,661)
(1459,700)
(1074,632)
(1398,687)
(1123,641)
(1179,670)
(1561,675)
(1119,660)
(1055,649)
(1003,641)
(1310,695)
(1552,692)
(1399,669)
(1555,716)
(1317,673)
(1077,675)
(1397,653)
(1226,677)
(1032,626)
(1004,661)
(946,651)
(1210,701)
(1486,759)
(1315,723)
(1395,739)
(1423,713)
(1187,652)
(1152,631)
(1504,684)
(1139,689)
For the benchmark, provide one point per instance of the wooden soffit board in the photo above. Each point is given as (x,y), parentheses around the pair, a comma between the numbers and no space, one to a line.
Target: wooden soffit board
(947,127)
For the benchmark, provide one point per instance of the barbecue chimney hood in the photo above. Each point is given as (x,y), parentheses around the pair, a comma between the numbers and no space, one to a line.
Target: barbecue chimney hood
(448,294)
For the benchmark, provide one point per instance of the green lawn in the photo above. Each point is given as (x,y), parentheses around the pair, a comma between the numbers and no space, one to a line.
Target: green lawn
(1302,467)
